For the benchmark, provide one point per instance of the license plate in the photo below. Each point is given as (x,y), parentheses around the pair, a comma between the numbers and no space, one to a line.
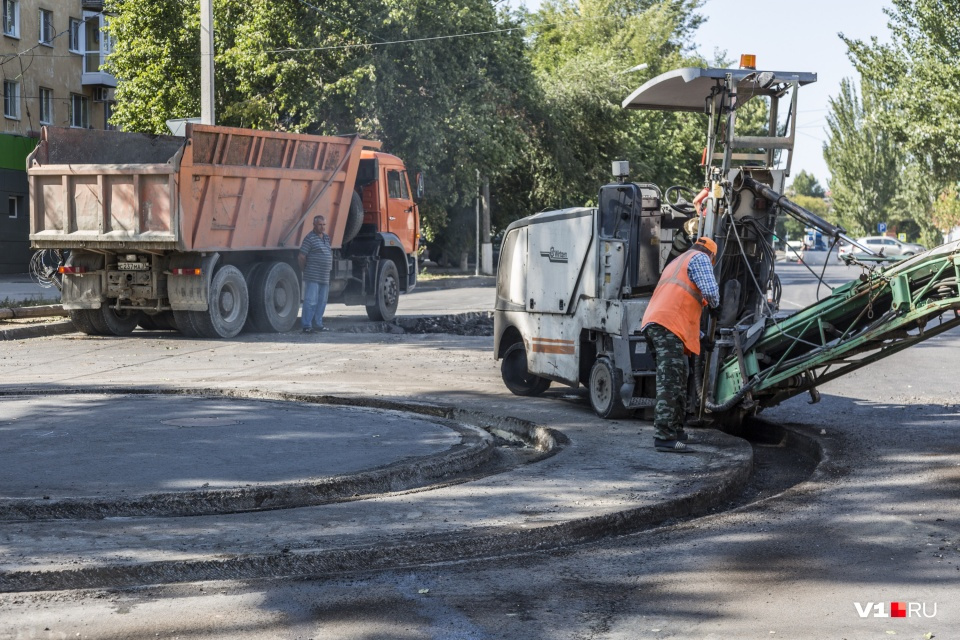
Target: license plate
(133,266)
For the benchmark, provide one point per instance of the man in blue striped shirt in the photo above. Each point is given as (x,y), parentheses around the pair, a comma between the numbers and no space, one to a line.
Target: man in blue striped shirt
(316,262)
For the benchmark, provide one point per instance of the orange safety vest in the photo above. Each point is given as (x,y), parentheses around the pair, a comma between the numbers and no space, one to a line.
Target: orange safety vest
(677,303)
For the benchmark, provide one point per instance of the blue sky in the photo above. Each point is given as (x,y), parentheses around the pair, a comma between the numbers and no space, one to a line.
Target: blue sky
(789,35)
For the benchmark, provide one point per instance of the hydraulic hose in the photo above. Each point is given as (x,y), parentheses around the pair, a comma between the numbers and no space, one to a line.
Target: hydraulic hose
(730,403)
(742,181)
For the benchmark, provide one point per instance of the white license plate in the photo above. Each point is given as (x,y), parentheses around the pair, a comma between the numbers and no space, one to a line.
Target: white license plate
(133,266)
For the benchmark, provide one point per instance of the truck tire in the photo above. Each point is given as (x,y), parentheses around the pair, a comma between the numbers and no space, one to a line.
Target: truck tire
(119,323)
(605,383)
(83,320)
(387,292)
(185,324)
(250,272)
(519,380)
(228,302)
(354,218)
(274,298)
(163,321)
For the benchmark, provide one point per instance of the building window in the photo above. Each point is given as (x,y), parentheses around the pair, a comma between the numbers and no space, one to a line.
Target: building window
(79,111)
(11,18)
(11,99)
(46,105)
(46,27)
(13,204)
(92,57)
(75,32)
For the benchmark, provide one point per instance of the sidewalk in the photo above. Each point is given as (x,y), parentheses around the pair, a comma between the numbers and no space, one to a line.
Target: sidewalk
(20,286)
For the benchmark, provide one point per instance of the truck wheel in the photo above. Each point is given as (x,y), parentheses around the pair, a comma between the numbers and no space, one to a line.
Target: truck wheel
(185,324)
(605,383)
(388,293)
(513,370)
(163,321)
(354,218)
(228,302)
(250,273)
(274,298)
(83,320)
(119,323)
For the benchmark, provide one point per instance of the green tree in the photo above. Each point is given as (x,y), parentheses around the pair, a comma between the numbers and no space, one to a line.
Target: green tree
(580,51)
(917,78)
(946,209)
(806,184)
(396,70)
(865,161)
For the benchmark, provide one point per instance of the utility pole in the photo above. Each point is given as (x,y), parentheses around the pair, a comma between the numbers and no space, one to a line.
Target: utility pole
(487,247)
(207,115)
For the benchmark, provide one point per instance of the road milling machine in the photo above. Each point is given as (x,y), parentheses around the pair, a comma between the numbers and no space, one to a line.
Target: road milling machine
(573,284)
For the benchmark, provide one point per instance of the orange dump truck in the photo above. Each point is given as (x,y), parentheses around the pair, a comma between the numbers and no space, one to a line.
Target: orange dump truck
(201,233)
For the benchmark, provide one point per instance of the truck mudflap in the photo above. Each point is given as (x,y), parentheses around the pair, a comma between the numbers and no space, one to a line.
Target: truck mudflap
(412,271)
(83,286)
(188,292)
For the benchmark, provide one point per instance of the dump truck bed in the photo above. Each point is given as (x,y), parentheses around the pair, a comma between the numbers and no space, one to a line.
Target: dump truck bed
(216,189)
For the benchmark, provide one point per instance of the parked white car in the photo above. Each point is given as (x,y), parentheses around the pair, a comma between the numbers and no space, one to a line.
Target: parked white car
(885,244)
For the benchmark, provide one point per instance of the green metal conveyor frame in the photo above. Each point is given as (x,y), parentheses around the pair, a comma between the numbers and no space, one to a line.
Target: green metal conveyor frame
(887,310)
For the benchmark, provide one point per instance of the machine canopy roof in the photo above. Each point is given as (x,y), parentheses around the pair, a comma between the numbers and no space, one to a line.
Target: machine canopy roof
(687,89)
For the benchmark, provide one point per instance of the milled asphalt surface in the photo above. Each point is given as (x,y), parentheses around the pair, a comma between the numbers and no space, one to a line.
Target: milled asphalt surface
(414,480)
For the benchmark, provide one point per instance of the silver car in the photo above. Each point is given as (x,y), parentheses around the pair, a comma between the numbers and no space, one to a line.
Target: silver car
(885,244)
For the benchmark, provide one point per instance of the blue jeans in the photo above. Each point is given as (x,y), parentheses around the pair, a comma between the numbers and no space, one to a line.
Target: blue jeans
(314,303)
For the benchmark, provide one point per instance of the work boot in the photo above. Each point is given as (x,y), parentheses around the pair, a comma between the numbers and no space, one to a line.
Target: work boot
(671,446)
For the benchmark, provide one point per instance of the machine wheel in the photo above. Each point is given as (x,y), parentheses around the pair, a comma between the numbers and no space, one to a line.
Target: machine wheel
(228,303)
(354,218)
(388,293)
(83,320)
(513,370)
(185,325)
(163,321)
(274,298)
(605,383)
(119,323)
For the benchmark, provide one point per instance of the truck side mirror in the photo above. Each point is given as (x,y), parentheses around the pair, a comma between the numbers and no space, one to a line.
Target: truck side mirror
(418,190)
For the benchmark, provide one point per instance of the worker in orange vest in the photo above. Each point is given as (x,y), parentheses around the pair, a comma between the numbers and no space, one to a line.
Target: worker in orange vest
(671,325)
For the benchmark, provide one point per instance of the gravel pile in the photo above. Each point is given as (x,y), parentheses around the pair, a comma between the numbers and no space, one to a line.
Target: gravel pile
(463,324)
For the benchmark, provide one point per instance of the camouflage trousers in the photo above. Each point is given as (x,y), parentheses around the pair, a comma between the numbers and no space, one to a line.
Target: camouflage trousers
(671,407)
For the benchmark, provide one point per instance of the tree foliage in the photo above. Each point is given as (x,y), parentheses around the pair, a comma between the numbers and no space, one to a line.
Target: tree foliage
(946,208)
(390,70)
(865,161)
(581,53)
(452,87)
(917,77)
(806,184)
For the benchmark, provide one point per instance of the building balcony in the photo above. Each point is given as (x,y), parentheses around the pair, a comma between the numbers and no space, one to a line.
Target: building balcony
(92,73)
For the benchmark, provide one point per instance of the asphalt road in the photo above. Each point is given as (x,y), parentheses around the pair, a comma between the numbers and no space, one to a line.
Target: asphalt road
(877,524)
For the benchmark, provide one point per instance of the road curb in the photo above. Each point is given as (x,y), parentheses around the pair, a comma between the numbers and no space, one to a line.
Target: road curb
(460,462)
(38,330)
(723,482)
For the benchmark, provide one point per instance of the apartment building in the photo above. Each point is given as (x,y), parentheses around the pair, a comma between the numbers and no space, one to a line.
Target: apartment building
(51,53)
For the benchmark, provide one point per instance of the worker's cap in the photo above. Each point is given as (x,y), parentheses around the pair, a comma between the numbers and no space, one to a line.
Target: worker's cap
(708,245)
